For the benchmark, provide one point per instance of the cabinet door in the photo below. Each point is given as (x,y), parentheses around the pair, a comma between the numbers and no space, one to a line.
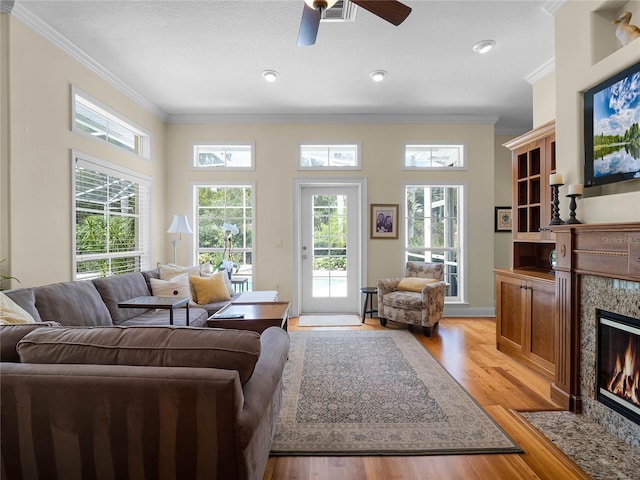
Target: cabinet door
(510,311)
(540,335)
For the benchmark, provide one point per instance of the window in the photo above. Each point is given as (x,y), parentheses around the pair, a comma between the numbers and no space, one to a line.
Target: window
(433,226)
(434,156)
(217,205)
(111,212)
(329,157)
(98,121)
(223,156)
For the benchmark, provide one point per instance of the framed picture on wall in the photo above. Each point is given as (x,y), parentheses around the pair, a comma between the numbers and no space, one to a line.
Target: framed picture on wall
(384,221)
(503,219)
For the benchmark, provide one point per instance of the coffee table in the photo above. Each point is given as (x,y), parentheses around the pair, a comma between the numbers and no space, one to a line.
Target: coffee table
(258,316)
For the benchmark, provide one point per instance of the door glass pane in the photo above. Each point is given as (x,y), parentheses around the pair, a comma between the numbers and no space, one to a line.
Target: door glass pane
(329,246)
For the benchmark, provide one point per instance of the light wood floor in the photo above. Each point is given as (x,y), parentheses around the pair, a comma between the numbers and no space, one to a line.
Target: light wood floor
(466,348)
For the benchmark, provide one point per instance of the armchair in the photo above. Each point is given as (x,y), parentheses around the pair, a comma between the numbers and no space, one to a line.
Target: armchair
(412,301)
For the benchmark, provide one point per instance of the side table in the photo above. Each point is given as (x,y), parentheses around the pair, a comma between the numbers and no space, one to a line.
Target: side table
(369,292)
(150,301)
(239,283)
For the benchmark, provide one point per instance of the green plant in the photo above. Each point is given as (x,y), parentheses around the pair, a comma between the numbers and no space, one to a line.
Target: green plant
(5,277)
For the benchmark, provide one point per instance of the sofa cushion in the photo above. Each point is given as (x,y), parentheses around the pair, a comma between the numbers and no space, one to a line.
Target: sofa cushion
(26,298)
(11,313)
(151,346)
(169,270)
(10,335)
(72,303)
(210,289)
(414,284)
(404,300)
(120,288)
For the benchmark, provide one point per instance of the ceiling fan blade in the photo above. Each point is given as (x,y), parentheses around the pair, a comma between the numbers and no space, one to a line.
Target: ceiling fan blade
(308,26)
(389,10)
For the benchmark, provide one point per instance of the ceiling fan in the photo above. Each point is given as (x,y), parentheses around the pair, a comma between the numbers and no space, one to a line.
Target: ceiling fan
(390,10)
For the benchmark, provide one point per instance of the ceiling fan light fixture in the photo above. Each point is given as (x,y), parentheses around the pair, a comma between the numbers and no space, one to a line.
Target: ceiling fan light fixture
(378,75)
(270,75)
(484,46)
(320,4)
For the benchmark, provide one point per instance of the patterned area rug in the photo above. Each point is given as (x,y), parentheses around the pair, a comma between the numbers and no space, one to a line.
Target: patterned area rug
(377,393)
(597,452)
(329,321)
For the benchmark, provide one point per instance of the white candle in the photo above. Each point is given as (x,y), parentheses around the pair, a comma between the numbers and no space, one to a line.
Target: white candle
(576,189)
(555,179)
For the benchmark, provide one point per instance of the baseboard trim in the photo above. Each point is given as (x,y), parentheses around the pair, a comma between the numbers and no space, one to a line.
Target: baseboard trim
(464,311)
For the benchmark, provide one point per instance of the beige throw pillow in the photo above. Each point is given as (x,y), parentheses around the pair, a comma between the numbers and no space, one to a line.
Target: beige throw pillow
(414,284)
(177,286)
(11,313)
(169,270)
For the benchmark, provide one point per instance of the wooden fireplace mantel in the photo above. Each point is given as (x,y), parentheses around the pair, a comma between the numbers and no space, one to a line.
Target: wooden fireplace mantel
(606,250)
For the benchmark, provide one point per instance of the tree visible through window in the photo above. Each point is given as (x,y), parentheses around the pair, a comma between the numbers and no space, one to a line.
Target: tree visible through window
(111,221)
(216,206)
(433,220)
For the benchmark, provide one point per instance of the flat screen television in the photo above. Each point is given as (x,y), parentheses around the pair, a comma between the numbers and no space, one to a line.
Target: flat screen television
(611,133)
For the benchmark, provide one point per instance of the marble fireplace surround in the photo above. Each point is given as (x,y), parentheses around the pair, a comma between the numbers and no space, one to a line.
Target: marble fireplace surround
(612,295)
(598,267)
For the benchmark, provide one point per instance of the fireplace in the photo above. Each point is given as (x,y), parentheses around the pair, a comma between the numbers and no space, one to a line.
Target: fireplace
(618,354)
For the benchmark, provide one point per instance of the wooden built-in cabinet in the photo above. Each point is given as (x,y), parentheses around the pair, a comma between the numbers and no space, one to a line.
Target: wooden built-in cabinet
(525,293)
(525,313)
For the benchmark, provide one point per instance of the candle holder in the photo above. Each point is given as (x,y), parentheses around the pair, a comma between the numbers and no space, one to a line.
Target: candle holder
(572,209)
(555,219)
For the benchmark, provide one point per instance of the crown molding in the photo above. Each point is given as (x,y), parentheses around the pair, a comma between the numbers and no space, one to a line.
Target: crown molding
(552,6)
(50,34)
(6,6)
(337,118)
(542,71)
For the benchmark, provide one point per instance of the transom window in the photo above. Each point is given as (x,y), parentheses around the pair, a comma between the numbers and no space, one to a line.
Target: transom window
(433,231)
(112,223)
(434,156)
(225,156)
(92,118)
(329,157)
(224,226)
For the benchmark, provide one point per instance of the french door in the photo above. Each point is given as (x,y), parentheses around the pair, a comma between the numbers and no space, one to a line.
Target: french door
(329,253)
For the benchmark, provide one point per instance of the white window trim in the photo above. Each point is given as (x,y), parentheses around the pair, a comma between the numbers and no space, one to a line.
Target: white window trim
(194,160)
(357,166)
(461,299)
(145,215)
(463,167)
(110,114)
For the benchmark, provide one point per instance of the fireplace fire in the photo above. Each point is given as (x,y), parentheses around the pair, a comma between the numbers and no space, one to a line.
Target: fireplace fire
(619,363)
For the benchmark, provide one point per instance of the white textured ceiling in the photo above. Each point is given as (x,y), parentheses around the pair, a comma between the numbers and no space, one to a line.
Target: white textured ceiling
(206,57)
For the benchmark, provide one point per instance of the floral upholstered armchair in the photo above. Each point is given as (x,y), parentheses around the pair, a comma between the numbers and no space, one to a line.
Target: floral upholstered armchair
(417,299)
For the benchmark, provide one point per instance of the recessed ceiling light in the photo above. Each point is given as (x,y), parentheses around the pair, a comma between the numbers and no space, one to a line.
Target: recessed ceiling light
(484,46)
(270,75)
(378,75)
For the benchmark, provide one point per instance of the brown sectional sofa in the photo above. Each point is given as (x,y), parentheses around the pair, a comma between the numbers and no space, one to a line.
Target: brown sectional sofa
(131,396)
(95,303)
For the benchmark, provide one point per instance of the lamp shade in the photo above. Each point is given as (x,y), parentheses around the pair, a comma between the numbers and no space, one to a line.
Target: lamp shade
(180,224)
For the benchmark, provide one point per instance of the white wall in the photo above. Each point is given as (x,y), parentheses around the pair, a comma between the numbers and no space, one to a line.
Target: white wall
(38,220)
(276,156)
(587,53)
(502,245)
(544,99)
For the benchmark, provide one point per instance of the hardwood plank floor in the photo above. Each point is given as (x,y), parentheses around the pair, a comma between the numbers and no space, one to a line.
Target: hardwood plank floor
(466,348)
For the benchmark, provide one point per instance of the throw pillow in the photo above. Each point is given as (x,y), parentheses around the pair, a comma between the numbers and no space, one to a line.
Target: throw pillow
(145,346)
(178,286)
(414,284)
(11,313)
(169,270)
(210,289)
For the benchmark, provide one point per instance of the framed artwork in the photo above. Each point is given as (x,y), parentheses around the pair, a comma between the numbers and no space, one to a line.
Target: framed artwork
(503,219)
(384,221)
